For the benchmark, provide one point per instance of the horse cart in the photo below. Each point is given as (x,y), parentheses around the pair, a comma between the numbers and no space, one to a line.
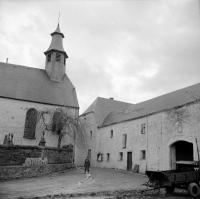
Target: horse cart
(172,179)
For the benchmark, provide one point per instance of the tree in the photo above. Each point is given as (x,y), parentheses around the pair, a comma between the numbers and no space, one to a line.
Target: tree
(63,124)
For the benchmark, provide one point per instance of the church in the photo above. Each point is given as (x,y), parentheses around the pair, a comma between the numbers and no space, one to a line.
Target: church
(31,97)
(162,133)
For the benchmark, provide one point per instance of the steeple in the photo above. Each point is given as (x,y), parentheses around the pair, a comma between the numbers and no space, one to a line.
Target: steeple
(56,56)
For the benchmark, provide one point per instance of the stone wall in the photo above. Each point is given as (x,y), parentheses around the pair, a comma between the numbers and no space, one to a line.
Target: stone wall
(12,172)
(17,155)
(13,114)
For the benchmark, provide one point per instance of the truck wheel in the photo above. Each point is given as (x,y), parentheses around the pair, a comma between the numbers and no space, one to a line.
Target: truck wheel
(170,189)
(194,189)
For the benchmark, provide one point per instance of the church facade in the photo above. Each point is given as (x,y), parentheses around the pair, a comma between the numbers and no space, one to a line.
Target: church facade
(30,98)
(158,134)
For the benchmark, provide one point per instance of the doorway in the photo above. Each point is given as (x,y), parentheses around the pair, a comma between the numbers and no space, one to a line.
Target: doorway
(129,160)
(181,153)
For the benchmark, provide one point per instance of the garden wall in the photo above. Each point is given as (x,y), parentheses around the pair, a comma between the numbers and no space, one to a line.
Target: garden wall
(29,161)
(12,172)
(17,155)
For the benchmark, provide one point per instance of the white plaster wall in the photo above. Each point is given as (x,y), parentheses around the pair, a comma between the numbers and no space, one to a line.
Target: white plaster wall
(88,123)
(161,132)
(12,120)
(135,143)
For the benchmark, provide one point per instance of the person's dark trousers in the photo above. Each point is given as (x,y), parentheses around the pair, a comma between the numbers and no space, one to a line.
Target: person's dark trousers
(87,170)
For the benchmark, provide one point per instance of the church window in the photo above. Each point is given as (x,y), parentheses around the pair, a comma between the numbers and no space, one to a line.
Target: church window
(56,117)
(58,57)
(30,124)
(49,57)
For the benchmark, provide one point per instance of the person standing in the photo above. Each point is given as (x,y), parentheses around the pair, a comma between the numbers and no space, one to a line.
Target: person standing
(87,165)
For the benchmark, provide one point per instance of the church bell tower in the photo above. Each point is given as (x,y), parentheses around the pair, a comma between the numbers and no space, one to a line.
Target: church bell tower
(56,57)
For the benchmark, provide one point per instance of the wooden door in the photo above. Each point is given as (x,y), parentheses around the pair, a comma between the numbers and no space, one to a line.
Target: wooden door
(129,160)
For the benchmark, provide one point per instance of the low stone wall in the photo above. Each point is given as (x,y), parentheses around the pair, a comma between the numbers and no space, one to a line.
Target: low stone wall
(17,155)
(12,172)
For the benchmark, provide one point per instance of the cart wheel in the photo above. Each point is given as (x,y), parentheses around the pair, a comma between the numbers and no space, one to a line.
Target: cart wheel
(194,189)
(170,189)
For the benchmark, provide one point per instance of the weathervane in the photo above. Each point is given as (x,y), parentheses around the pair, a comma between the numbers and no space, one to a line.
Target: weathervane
(59,17)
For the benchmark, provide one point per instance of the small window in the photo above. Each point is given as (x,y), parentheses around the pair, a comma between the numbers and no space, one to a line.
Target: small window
(143,155)
(108,157)
(111,134)
(120,156)
(49,57)
(58,57)
(90,134)
(124,139)
(143,128)
(100,157)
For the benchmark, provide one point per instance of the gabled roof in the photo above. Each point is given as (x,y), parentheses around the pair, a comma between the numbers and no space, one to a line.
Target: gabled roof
(155,105)
(32,84)
(101,107)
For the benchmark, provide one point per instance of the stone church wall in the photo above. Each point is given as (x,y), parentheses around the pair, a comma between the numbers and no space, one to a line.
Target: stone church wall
(12,120)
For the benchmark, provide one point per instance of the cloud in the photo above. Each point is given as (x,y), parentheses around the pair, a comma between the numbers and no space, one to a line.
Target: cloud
(129,50)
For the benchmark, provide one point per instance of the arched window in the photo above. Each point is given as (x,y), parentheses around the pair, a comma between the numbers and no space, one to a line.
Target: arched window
(30,124)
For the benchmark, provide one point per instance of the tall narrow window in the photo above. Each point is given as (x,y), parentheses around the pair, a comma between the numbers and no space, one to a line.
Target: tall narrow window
(108,157)
(143,128)
(30,124)
(90,134)
(120,156)
(143,155)
(124,140)
(56,118)
(111,134)
(58,57)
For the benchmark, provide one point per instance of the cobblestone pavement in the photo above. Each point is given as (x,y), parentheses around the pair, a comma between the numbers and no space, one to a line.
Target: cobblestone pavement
(73,183)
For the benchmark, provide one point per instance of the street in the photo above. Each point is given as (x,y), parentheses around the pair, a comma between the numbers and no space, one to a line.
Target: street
(101,183)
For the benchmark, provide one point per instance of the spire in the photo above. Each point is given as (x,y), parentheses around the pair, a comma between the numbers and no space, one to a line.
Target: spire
(56,42)
(56,57)
(58,31)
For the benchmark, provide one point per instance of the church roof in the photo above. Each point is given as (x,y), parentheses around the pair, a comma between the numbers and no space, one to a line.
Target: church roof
(32,84)
(164,102)
(101,107)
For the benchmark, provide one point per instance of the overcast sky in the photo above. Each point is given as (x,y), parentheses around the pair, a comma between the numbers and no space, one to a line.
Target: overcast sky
(131,50)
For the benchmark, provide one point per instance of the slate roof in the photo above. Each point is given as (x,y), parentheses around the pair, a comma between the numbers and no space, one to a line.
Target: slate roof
(155,105)
(103,106)
(32,84)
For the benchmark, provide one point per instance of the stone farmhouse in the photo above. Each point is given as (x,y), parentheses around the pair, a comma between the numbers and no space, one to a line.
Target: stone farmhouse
(158,134)
(30,98)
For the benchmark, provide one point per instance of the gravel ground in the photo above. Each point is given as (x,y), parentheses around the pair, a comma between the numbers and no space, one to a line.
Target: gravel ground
(155,194)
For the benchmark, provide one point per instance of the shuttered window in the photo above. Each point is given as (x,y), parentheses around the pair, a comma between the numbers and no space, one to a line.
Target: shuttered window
(30,124)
